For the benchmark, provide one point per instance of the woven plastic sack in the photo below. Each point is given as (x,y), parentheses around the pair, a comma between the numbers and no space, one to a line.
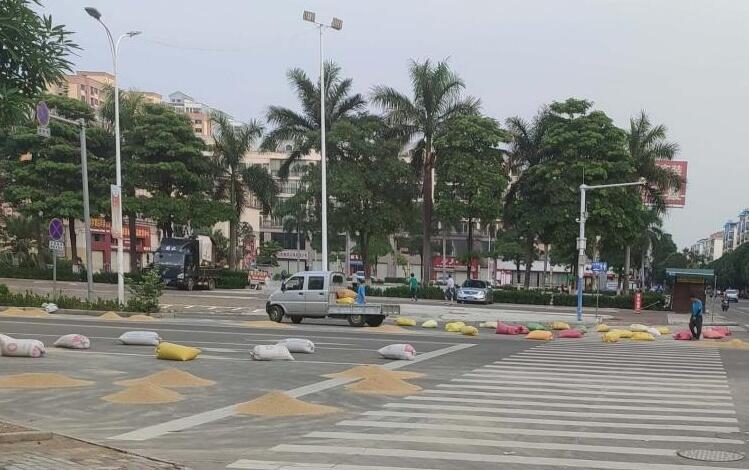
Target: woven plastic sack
(711,333)
(570,334)
(50,308)
(522,329)
(540,334)
(505,329)
(623,333)
(602,328)
(654,331)
(404,352)
(140,338)
(469,331)
(454,327)
(271,352)
(22,348)
(4,338)
(610,337)
(345,294)
(638,327)
(405,321)
(583,329)
(663,330)
(722,329)
(559,325)
(429,324)
(642,336)
(682,335)
(535,326)
(176,352)
(489,324)
(345,301)
(298,345)
(73,342)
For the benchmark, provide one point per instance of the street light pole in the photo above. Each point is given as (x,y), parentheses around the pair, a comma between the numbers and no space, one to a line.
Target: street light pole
(115,48)
(581,242)
(336,24)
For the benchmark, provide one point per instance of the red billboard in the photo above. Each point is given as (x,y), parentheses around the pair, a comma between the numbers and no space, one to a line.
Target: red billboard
(674,198)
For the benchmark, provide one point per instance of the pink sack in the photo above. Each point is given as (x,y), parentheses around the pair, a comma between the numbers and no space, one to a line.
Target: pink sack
(711,333)
(724,330)
(682,335)
(505,329)
(522,330)
(570,334)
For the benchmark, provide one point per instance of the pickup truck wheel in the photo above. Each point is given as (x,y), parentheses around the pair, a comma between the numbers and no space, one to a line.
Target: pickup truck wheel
(356,320)
(296,319)
(375,320)
(275,313)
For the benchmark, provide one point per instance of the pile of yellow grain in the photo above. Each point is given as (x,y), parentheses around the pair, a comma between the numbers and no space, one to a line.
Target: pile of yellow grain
(731,344)
(377,380)
(141,317)
(110,316)
(144,394)
(24,312)
(384,329)
(279,404)
(169,378)
(40,381)
(264,324)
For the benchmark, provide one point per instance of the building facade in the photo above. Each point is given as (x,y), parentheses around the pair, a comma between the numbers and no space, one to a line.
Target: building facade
(90,87)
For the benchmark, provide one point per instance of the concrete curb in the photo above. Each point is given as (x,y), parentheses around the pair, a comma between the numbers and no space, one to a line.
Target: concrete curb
(96,313)
(24,436)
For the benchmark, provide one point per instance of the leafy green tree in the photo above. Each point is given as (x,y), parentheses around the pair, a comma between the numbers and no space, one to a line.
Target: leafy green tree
(267,252)
(19,241)
(33,53)
(236,182)
(509,246)
(301,130)
(470,173)
(437,97)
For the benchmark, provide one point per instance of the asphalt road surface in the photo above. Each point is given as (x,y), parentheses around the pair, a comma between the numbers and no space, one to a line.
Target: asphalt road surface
(488,401)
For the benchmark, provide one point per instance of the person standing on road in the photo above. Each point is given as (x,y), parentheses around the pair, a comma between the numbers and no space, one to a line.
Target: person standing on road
(361,294)
(413,283)
(450,288)
(695,321)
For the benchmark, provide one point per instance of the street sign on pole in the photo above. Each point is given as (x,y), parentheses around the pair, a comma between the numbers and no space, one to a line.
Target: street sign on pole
(42,118)
(58,247)
(56,229)
(116,198)
(599,267)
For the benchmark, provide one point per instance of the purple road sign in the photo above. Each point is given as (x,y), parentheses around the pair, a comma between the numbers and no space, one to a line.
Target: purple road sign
(42,114)
(56,229)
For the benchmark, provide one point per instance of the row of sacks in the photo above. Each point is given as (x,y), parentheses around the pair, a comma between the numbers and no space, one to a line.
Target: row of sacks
(712,332)
(282,350)
(15,347)
(164,350)
(450,327)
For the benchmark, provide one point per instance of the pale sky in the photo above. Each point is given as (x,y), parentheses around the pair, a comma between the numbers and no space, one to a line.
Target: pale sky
(683,61)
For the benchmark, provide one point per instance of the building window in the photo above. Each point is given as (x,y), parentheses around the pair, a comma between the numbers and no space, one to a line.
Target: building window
(198,121)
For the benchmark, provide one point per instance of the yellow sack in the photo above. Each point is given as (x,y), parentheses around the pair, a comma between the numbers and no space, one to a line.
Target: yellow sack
(610,337)
(642,336)
(622,333)
(429,324)
(345,301)
(559,325)
(403,321)
(602,328)
(176,352)
(469,331)
(663,330)
(345,294)
(540,334)
(454,327)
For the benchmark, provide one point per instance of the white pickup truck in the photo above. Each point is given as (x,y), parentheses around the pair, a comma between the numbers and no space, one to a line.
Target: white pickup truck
(312,294)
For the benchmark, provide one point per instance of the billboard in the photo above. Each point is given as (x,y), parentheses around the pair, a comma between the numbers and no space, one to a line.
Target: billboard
(674,198)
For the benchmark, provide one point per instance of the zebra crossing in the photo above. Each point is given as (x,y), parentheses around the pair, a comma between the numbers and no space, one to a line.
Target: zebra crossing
(575,404)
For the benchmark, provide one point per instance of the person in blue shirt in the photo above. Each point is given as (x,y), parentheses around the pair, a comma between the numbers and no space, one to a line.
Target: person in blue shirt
(361,294)
(695,321)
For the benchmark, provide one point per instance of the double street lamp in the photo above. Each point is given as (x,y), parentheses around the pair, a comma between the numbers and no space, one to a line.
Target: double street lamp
(336,24)
(581,242)
(115,48)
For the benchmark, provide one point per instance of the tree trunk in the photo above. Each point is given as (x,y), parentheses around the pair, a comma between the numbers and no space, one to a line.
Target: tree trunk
(426,243)
(517,269)
(233,244)
(73,239)
(470,248)
(625,277)
(132,224)
(364,253)
(528,265)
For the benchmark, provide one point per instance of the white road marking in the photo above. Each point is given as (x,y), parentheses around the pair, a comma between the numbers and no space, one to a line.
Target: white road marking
(591,365)
(588,378)
(571,423)
(187,307)
(576,391)
(571,414)
(622,370)
(180,424)
(606,386)
(486,458)
(601,360)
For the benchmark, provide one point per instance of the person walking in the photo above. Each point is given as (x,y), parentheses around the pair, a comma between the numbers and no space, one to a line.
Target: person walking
(695,321)
(450,288)
(413,283)
(361,294)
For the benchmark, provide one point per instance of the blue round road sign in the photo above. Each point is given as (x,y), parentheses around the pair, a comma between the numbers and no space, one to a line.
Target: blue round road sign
(42,114)
(56,229)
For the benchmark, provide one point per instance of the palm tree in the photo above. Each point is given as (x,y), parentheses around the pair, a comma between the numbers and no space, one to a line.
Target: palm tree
(302,130)
(526,151)
(437,97)
(235,181)
(647,146)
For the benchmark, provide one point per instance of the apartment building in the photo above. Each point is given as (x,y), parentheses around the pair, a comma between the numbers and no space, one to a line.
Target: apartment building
(90,87)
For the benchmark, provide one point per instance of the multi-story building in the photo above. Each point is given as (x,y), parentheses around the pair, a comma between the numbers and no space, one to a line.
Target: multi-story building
(701,247)
(715,246)
(90,87)
(730,236)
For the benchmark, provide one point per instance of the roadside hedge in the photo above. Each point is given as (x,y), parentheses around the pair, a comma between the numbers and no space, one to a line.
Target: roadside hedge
(231,279)
(29,299)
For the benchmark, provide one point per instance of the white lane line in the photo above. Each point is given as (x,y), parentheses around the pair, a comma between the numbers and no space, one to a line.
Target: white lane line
(187,422)
(236,309)
(597,370)
(166,306)
(632,395)
(628,399)
(259,310)
(211,308)
(609,360)
(458,441)
(577,424)
(486,458)
(623,364)
(571,414)
(706,383)
(639,353)
(187,307)
(606,385)
(553,404)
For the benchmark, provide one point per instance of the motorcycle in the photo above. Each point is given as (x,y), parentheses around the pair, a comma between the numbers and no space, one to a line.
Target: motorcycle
(724,305)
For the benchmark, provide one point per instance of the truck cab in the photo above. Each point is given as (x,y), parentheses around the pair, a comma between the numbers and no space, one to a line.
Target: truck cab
(186,262)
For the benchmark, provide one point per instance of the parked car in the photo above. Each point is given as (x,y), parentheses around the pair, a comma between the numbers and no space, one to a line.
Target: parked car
(732,295)
(474,290)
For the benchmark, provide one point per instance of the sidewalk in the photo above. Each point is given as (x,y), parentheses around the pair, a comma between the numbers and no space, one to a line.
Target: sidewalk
(54,452)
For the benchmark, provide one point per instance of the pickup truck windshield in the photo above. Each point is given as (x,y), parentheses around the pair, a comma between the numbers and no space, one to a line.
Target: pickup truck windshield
(169,259)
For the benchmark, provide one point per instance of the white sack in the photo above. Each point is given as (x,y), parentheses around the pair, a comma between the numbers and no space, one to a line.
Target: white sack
(23,348)
(398,351)
(140,338)
(271,352)
(73,341)
(298,345)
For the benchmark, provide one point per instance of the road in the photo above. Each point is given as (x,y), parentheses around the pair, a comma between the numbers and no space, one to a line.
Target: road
(486,401)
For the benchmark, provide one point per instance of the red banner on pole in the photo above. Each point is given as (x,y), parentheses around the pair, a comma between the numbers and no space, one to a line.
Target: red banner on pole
(638,302)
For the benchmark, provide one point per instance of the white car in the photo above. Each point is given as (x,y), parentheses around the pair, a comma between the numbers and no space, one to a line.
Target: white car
(474,290)
(732,295)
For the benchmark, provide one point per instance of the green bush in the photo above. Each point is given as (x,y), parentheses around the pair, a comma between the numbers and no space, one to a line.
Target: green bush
(430,292)
(145,292)
(231,279)
(29,299)
(396,280)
